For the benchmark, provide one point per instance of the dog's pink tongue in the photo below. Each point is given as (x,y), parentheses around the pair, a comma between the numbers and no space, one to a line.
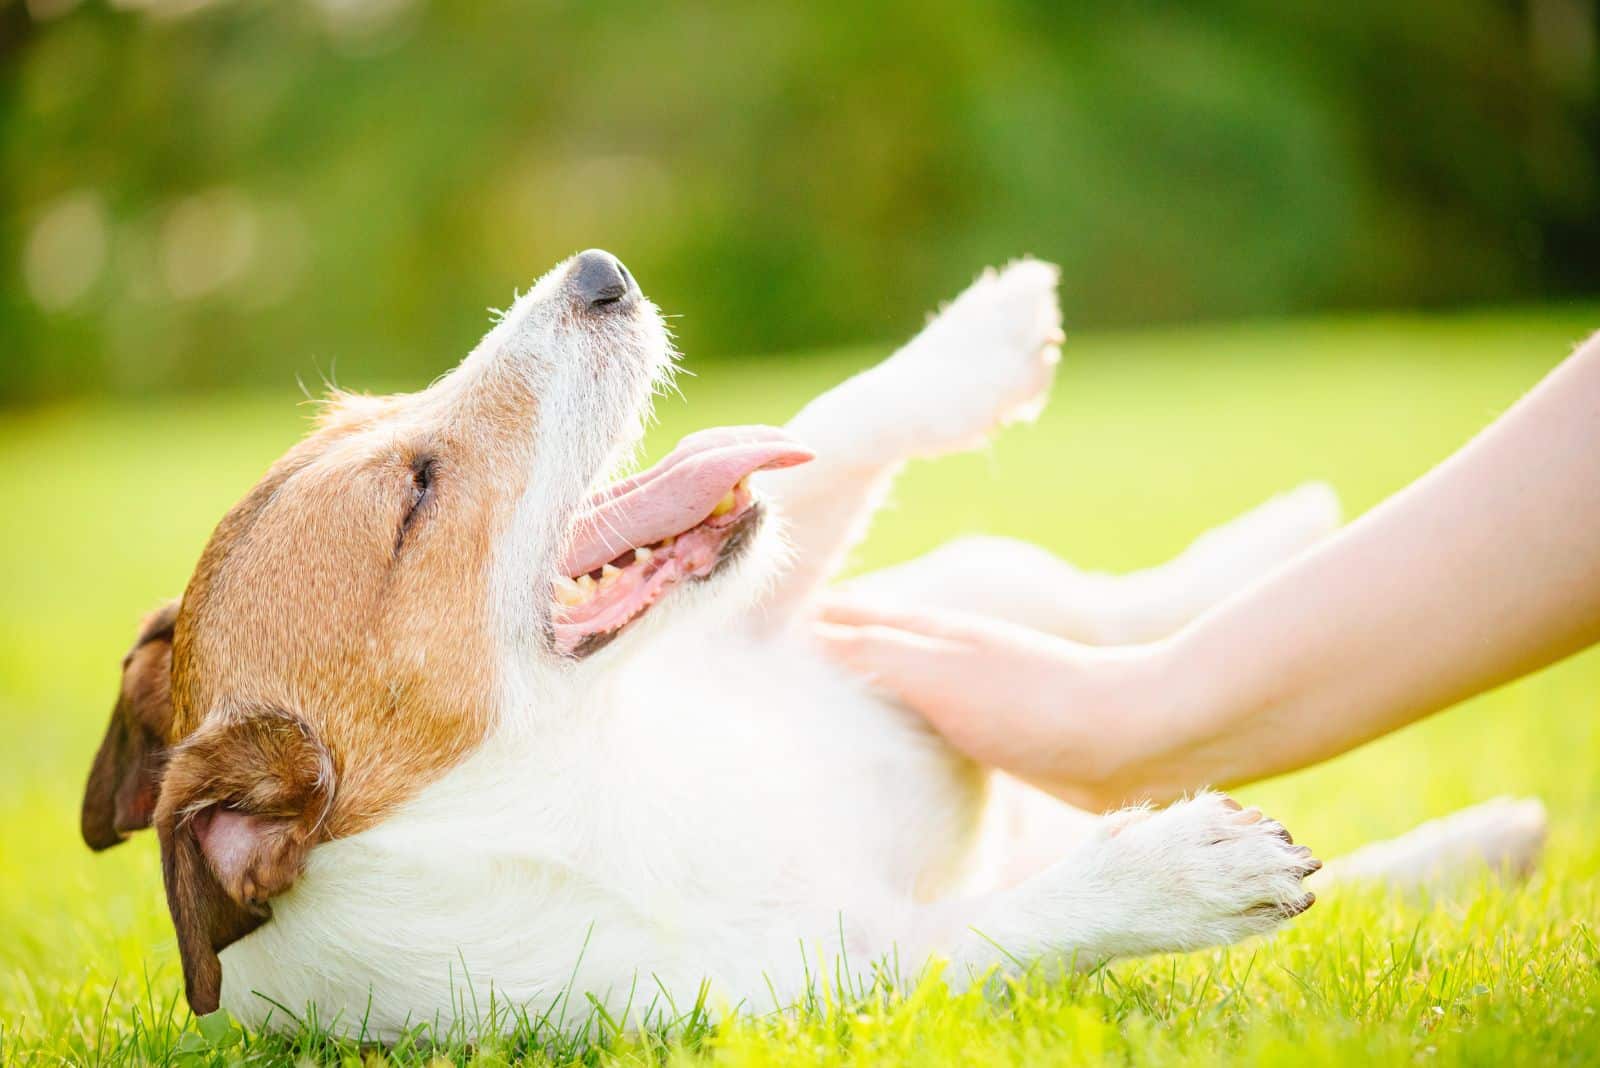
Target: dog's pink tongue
(678,493)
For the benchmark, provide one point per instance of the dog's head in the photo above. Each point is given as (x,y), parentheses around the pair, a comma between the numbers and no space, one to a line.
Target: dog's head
(361,618)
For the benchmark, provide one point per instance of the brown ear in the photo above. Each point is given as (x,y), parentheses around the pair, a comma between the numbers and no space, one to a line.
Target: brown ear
(120,797)
(243,801)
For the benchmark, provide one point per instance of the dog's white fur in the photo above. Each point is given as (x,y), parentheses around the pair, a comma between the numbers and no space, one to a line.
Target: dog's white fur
(709,800)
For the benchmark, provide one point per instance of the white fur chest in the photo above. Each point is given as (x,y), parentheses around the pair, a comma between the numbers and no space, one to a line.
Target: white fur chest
(700,813)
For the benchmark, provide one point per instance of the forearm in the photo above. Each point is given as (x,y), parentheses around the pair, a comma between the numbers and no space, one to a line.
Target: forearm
(1483,570)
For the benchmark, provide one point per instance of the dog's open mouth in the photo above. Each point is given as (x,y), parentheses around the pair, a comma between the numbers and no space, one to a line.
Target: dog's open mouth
(678,521)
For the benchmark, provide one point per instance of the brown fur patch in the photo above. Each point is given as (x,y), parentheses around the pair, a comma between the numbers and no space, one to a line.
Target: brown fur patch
(267,774)
(301,600)
(124,780)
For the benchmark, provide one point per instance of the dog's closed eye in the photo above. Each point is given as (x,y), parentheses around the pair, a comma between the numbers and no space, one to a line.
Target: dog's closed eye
(424,477)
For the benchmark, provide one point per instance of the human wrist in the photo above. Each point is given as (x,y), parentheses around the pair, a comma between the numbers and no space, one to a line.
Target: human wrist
(1203,696)
(1168,702)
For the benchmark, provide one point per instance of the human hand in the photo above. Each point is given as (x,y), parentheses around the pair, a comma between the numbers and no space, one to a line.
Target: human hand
(1077,721)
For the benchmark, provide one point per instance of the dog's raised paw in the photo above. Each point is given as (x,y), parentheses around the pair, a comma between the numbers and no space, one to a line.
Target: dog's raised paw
(988,358)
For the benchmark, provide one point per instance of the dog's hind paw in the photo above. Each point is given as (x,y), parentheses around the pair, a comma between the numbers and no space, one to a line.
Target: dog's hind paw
(1203,872)
(1505,835)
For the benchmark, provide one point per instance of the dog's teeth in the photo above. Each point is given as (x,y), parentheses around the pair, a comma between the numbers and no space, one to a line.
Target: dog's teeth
(725,505)
(587,585)
(608,575)
(567,592)
(666,542)
(642,555)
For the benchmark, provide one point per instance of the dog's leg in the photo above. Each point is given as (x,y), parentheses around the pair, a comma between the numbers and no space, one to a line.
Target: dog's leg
(1023,583)
(1504,834)
(986,360)
(1201,873)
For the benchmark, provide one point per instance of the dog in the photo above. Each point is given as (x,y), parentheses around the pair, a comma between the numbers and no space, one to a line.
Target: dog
(442,709)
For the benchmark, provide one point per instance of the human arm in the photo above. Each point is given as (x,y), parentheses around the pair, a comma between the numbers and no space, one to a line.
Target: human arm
(1486,568)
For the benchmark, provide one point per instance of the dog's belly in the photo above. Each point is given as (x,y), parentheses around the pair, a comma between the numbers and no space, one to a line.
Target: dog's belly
(714,810)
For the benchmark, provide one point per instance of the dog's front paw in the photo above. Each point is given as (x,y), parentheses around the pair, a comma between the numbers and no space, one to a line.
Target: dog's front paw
(988,358)
(1204,872)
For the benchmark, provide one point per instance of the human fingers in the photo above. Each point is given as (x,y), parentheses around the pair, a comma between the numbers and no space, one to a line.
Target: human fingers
(854,610)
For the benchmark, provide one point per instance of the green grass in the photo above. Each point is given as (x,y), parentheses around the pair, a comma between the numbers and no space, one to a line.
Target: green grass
(1153,436)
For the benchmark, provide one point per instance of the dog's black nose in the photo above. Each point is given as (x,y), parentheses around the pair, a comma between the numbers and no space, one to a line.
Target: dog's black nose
(599,279)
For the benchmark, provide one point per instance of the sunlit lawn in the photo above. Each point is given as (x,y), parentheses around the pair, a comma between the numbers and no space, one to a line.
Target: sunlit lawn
(1152,437)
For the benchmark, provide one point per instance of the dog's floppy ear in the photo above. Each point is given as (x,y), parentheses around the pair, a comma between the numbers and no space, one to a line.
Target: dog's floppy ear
(244,799)
(125,779)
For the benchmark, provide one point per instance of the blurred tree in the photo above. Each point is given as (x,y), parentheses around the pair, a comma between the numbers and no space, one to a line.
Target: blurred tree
(208,192)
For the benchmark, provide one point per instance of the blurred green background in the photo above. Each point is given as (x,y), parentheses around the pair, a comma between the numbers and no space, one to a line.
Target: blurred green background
(199,193)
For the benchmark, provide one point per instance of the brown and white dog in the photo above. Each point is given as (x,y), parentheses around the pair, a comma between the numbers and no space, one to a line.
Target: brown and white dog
(455,714)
